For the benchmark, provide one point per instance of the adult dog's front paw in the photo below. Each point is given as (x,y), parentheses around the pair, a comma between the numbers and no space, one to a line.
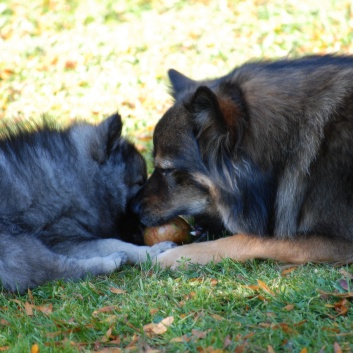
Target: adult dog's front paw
(182,256)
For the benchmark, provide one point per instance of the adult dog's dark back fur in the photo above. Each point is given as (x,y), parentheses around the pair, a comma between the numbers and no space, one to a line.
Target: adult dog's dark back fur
(65,203)
(268,149)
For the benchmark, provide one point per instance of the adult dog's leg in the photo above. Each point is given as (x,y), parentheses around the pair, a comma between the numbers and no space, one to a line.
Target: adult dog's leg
(243,247)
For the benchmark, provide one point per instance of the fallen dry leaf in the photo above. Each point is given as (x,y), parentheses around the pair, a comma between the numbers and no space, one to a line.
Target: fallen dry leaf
(249,335)
(300,323)
(337,348)
(252,287)
(304,350)
(197,334)
(346,273)
(265,324)
(168,321)
(4,322)
(217,317)
(64,332)
(117,290)
(345,284)
(209,350)
(30,296)
(109,350)
(29,309)
(105,309)
(289,307)
(227,342)
(181,339)
(107,335)
(240,348)
(47,309)
(333,294)
(289,270)
(4,348)
(342,306)
(213,281)
(159,328)
(265,287)
(322,350)
(35,348)
(270,349)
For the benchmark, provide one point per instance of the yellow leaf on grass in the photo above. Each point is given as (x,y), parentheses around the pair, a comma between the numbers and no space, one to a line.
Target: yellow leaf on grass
(35,348)
(304,350)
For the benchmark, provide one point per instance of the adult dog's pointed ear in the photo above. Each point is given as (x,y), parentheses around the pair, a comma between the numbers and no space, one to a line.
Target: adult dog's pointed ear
(217,122)
(180,83)
(107,137)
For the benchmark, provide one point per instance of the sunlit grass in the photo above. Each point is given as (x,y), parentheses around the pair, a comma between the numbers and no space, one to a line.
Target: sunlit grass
(87,59)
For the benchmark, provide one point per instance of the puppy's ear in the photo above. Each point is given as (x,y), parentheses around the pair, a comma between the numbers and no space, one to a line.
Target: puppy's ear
(107,137)
(180,83)
(113,126)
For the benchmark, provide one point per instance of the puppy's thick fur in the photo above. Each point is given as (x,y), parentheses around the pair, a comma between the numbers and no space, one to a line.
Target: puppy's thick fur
(65,203)
(266,149)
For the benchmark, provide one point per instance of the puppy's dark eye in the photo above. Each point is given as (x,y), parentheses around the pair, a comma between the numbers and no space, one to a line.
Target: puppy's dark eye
(165,171)
(139,182)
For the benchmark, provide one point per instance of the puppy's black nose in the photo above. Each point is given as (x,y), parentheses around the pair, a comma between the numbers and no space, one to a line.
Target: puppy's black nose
(135,205)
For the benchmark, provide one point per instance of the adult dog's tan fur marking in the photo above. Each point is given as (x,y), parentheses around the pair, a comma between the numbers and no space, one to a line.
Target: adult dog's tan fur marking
(242,247)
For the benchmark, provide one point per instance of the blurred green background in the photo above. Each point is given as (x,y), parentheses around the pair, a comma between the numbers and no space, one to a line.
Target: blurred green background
(86,59)
(89,58)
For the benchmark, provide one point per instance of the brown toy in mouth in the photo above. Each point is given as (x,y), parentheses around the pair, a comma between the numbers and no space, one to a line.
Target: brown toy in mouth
(176,230)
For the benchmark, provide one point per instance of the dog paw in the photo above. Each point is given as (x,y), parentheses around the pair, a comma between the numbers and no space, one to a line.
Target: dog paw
(145,252)
(173,259)
(160,248)
(115,260)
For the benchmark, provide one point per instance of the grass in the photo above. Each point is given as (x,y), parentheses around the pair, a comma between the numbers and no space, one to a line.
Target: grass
(227,307)
(89,58)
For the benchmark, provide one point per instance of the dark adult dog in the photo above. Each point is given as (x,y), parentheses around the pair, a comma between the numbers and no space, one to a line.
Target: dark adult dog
(64,203)
(268,150)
